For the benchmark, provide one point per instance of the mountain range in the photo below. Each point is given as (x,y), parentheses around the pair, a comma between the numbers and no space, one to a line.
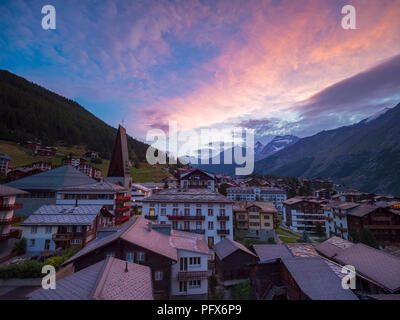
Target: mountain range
(365,155)
(276,144)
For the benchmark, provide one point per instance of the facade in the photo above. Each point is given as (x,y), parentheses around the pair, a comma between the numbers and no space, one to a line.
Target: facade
(346,219)
(139,192)
(178,260)
(322,193)
(37,149)
(194,210)
(197,178)
(82,165)
(255,219)
(233,261)
(115,198)
(55,227)
(303,214)
(7,206)
(4,161)
(274,195)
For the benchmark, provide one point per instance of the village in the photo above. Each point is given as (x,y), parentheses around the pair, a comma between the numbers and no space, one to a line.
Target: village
(191,235)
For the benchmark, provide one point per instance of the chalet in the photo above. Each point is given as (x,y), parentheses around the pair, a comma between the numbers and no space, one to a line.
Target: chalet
(73,161)
(91,155)
(377,271)
(322,193)
(139,192)
(255,219)
(178,260)
(318,183)
(7,206)
(336,218)
(282,275)
(42,187)
(109,279)
(22,172)
(233,261)
(4,161)
(55,227)
(197,178)
(303,214)
(115,198)
(195,210)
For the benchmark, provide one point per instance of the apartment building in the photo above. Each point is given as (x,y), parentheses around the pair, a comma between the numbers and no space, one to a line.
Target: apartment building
(139,192)
(178,260)
(115,198)
(195,210)
(7,206)
(255,219)
(274,195)
(55,227)
(197,178)
(303,214)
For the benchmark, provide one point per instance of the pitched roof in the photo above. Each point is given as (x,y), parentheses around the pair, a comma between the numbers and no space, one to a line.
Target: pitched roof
(265,206)
(374,264)
(362,210)
(97,186)
(119,164)
(316,279)
(9,191)
(105,280)
(227,246)
(136,231)
(55,215)
(191,195)
(333,246)
(188,173)
(270,252)
(54,179)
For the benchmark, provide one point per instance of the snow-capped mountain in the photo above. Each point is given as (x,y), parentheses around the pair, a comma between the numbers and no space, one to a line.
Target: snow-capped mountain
(258,147)
(376,115)
(276,144)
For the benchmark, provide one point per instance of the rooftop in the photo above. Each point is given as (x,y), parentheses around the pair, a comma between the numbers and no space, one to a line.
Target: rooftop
(105,280)
(9,191)
(189,195)
(97,186)
(265,206)
(227,246)
(54,179)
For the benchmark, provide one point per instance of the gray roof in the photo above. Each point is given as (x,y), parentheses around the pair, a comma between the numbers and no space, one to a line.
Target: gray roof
(377,265)
(227,246)
(96,187)
(271,252)
(316,279)
(54,179)
(105,280)
(362,210)
(333,246)
(190,195)
(53,215)
(9,191)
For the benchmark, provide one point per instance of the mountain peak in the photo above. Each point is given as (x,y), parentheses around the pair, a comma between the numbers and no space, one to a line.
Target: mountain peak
(276,144)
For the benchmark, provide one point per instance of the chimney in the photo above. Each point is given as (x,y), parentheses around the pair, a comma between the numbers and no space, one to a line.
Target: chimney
(126,266)
(149,226)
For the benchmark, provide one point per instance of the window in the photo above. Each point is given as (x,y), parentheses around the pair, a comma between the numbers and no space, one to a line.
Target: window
(152,212)
(182,286)
(48,229)
(130,257)
(222,212)
(195,260)
(175,205)
(187,211)
(69,229)
(266,217)
(75,241)
(175,211)
(163,211)
(110,254)
(198,225)
(34,229)
(210,212)
(140,256)
(266,224)
(194,283)
(198,212)
(158,275)
(32,242)
(210,225)
(78,229)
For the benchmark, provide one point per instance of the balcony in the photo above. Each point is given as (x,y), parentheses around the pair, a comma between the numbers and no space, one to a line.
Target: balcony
(194,218)
(187,275)
(8,207)
(12,220)
(148,217)
(223,231)
(123,199)
(123,209)
(199,231)
(11,234)
(62,236)
(223,218)
(175,217)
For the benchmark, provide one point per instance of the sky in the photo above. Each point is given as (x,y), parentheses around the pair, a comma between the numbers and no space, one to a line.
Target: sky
(275,66)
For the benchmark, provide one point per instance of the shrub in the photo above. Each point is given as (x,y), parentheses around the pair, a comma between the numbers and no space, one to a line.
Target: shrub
(64,255)
(20,247)
(242,291)
(26,269)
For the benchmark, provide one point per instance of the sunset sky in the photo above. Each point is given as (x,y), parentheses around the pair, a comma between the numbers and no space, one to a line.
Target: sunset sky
(276,66)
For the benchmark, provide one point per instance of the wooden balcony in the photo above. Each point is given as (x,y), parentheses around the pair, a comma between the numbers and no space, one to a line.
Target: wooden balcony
(62,236)
(223,218)
(148,217)
(187,275)
(8,207)
(9,235)
(123,209)
(223,231)
(12,220)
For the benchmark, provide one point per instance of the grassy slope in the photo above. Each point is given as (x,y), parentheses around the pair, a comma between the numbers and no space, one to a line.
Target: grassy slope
(20,157)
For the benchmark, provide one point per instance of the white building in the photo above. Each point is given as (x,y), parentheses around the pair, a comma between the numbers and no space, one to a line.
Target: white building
(336,218)
(4,161)
(200,211)
(197,178)
(274,195)
(139,192)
